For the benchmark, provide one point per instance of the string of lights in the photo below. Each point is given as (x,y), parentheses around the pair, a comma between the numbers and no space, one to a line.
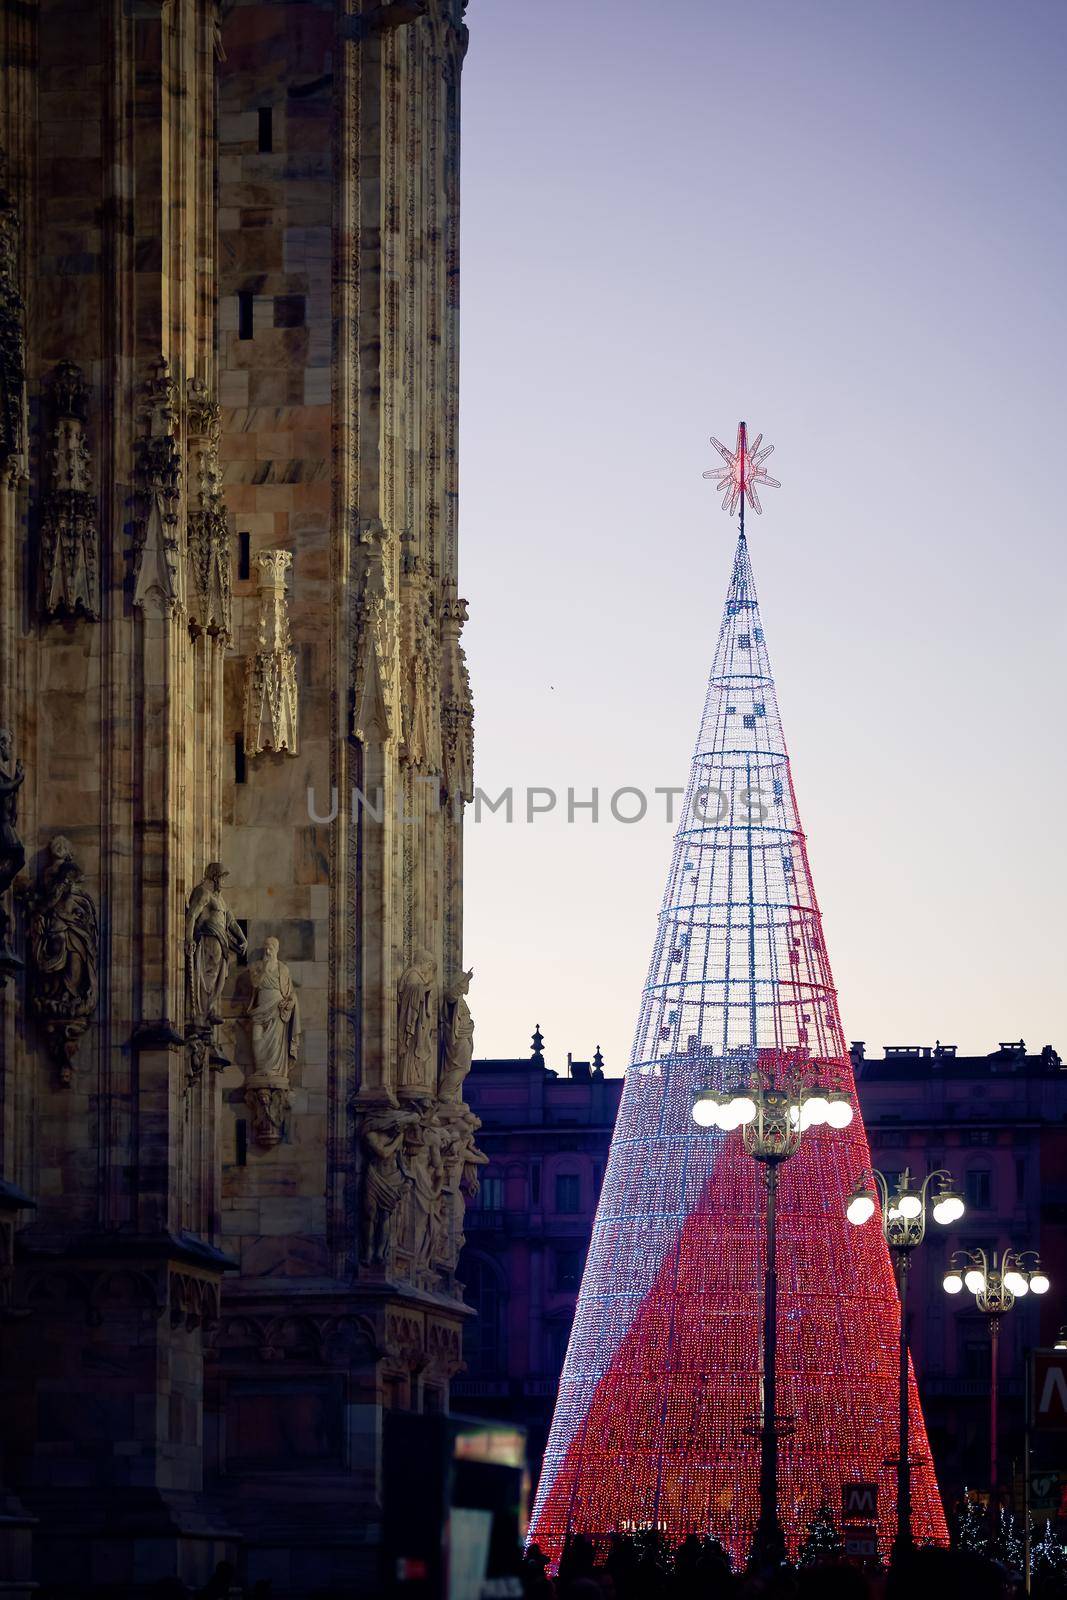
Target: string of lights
(660,1399)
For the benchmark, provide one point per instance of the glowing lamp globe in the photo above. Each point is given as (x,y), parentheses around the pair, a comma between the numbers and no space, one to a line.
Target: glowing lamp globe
(948,1208)
(952,1283)
(1039,1283)
(910,1206)
(840,1113)
(860,1209)
(744,1109)
(975,1280)
(1017,1284)
(705,1112)
(815,1110)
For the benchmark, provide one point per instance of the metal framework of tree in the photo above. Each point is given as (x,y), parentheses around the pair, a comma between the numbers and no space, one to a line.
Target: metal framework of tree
(660,1396)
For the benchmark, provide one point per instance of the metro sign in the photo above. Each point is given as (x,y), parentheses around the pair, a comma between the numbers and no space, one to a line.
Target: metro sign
(1048,1390)
(859,1502)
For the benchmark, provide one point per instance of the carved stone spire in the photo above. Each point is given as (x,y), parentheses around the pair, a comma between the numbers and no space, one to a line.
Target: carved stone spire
(210,566)
(69,541)
(160,575)
(421,654)
(375,630)
(270,687)
(457,707)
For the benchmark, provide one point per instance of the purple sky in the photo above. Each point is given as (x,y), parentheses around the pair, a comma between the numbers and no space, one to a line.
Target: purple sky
(847,224)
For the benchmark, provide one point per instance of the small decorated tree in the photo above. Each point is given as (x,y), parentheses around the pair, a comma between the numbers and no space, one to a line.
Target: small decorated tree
(972,1532)
(822,1542)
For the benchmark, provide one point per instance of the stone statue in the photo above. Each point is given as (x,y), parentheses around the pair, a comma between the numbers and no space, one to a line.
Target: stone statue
(457,1038)
(12,854)
(211,935)
(64,946)
(384,1181)
(417,1024)
(462,1159)
(423,1164)
(275,1017)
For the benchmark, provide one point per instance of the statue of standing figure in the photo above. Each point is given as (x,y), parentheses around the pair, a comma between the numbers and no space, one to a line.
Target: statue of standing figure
(12,854)
(457,1038)
(417,1025)
(275,1017)
(211,937)
(384,1181)
(423,1163)
(64,945)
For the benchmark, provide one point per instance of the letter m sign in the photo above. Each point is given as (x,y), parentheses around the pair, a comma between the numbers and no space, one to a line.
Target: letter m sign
(859,1502)
(1048,1390)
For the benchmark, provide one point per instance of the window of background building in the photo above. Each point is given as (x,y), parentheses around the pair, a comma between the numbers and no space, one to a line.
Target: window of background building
(569,1264)
(483,1337)
(974,1354)
(535,1183)
(492,1194)
(568,1194)
(978,1187)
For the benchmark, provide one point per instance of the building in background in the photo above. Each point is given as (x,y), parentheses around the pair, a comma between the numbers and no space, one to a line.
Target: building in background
(547,1136)
(998,1122)
(229,252)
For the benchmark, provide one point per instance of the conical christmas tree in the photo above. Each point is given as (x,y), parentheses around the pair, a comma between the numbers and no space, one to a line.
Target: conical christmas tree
(660,1395)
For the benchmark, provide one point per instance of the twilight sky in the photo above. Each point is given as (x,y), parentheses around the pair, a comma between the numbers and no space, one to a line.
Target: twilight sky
(845,223)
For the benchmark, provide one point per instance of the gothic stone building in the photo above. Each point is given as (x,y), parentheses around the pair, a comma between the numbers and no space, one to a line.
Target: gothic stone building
(233,1023)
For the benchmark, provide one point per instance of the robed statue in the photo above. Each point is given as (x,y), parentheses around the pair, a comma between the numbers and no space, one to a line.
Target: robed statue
(212,935)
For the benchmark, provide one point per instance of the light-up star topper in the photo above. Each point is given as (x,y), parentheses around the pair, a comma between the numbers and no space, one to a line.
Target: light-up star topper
(742,472)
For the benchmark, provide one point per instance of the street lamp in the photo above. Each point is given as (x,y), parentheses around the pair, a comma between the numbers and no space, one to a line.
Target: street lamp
(773,1119)
(903,1217)
(996,1285)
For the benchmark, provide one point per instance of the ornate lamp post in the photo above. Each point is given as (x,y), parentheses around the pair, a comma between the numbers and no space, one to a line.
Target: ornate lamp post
(903,1217)
(996,1284)
(773,1120)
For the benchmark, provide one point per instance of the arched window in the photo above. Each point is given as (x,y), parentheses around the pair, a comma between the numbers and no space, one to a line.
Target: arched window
(484,1345)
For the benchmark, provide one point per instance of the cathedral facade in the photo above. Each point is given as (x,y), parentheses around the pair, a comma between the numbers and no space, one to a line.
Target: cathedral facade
(236,746)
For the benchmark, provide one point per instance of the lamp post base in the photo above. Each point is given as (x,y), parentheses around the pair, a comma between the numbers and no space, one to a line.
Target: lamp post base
(768,1546)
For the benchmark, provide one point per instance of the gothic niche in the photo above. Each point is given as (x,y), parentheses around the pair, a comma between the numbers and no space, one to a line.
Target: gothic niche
(64,950)
(69,540)
(159,578)
(274,1018)
(210,566)
(270,686)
